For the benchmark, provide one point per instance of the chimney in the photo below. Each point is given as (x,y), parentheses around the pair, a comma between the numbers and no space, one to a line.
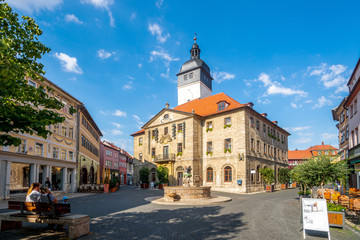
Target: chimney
(167,105)
(322,143)
(250,104)
(264,115)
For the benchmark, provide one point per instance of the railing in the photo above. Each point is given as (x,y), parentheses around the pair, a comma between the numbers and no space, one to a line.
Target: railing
(164,158)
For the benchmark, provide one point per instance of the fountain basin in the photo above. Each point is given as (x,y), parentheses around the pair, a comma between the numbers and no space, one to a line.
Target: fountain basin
(184,193)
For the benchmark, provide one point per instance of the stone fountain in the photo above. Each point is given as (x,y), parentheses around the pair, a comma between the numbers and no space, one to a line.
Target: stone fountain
(188,195)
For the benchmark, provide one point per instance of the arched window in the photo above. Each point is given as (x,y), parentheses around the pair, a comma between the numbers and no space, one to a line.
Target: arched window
(227,174)
(209,175)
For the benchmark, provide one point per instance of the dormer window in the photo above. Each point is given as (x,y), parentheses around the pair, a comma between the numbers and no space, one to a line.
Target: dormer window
(191,75)
(222,105)
(185,77)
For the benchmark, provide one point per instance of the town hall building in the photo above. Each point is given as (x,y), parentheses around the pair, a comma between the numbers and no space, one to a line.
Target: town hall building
(226,143)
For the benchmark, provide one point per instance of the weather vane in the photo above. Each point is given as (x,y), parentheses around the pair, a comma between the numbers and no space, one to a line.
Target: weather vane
(195,37)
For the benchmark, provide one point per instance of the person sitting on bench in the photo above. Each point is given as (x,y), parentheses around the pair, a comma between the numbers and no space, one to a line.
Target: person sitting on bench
(33,194)
(46,195)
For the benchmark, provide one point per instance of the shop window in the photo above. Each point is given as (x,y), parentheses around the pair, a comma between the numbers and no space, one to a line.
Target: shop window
(227,174)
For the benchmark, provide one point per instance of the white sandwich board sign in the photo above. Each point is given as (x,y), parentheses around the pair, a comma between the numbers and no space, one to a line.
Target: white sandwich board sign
(315,215)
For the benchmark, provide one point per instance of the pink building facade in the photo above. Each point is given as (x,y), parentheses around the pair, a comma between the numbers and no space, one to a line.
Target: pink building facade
(109,161)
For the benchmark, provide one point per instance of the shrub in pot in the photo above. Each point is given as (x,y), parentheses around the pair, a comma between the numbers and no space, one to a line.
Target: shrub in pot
(268,175)
(113,185)
(163,176)
(144,177)
(284,177)
(106,184)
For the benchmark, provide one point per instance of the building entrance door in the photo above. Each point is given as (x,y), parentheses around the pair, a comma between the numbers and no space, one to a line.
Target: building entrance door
(180,178)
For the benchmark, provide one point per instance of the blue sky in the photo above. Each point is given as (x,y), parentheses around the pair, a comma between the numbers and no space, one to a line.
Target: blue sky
(292,59)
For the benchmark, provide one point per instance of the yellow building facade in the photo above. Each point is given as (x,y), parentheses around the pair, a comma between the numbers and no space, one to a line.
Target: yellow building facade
(37,159)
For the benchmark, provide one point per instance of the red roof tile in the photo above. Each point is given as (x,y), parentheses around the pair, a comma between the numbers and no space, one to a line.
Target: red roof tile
(208,106)
(299,154)
(138,132)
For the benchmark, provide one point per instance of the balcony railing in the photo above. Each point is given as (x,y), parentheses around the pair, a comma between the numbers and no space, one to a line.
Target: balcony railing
(164,158)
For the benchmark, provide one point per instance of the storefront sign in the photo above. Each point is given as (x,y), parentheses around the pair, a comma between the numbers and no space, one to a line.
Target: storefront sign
(315,215)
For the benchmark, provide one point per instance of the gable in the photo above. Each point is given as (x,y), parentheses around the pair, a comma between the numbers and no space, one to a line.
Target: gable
(167,116)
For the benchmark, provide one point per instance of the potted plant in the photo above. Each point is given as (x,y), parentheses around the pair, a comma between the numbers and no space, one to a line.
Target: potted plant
(106,184)
(268,175)
(336,215)
(163,176)
(144,177)
(284,177)
(117,182)
(112,185)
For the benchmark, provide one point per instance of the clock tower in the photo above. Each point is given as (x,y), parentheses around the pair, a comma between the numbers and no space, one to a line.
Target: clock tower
(194,78)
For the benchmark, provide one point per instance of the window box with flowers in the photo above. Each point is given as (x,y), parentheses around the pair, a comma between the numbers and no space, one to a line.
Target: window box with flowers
(207,153)
(179,154)
(209,129)
(253,149)
(265,153)
(227,150)
(140,144)
(227,126)
(180,131)
(253,125)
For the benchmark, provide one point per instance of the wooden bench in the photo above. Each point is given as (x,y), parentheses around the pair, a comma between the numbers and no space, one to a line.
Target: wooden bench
(49,213)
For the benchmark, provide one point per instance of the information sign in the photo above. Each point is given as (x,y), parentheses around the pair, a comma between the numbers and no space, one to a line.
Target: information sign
(315,215)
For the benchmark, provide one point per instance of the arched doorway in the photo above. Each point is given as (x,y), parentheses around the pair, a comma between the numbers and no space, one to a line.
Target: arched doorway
(84,175)
(179,174)
(153,175)
(92,175)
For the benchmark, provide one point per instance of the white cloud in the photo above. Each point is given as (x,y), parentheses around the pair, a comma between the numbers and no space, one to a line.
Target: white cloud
(265,79)
(294,105)
(128,85)
(150,77)
(298,129)
(329,136)
(162,55)
(167,75)
(159,3)
(117,125)
(102,4)
(69,64)
(104,112)
(265,101)
(308,101)
(130,77)
(155,29)
(140,65)
(322,101)
(116,132)
(278,89)
(119,113)
(222,76)
(330,76)
(132,16)
(274,88)
(101,53)
(138,121)
(302,140)
(72,18)
(30,6)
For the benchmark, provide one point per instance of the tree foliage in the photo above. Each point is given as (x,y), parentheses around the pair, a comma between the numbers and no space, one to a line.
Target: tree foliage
(144,175)
(268,175)
(162,174)
(284,175)
(23,108)
(319,171)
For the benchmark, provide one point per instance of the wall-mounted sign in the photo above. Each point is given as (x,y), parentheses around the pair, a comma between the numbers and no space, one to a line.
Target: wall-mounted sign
(315,215)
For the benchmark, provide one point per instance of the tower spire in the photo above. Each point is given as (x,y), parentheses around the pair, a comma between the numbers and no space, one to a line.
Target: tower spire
(195,50)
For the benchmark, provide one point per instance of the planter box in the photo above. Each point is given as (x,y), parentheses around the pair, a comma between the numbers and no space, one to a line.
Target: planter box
(270,188)
(294,185)
(284,186)
(336,219)
(145,185)
(106,188)
(113,189)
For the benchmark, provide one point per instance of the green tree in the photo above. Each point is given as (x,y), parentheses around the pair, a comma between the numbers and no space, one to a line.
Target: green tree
(268,175)
(24,108)
(144,175)
(284,175)
(162,174)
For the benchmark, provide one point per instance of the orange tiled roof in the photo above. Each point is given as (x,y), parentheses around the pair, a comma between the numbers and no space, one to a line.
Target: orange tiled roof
(138,132)
(299,154)
(208,106)
(321,147)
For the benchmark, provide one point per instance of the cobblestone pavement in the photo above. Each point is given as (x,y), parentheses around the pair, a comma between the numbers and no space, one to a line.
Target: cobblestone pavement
(126,215)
